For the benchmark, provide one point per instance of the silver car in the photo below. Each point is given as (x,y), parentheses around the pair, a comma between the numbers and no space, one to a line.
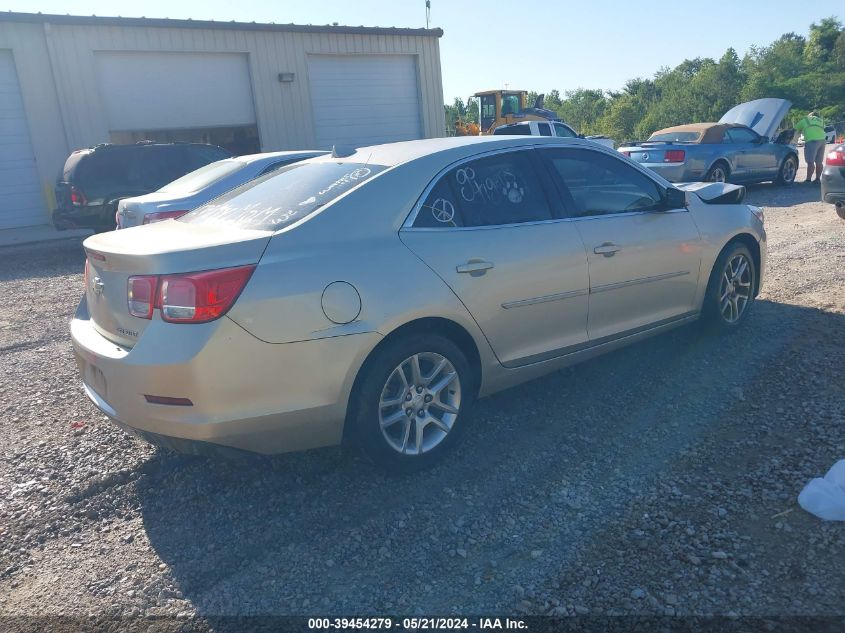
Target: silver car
(833,179)
(372,295)
(200,186)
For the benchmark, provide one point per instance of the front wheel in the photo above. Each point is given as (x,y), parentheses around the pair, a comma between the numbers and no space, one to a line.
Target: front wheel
(787,172)
(412,402)
(730,291)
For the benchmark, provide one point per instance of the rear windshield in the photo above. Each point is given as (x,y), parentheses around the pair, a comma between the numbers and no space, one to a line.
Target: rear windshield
(282,197)
(676,137)
(514,130)
(204,177)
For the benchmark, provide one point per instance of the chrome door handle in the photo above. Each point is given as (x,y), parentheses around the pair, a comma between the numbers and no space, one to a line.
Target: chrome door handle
(608,249)
(474,266)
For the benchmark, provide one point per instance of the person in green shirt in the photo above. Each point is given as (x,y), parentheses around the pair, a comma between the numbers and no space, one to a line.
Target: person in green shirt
(812,127)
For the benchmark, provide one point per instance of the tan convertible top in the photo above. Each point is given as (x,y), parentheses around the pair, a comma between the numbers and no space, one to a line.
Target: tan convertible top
(708,132)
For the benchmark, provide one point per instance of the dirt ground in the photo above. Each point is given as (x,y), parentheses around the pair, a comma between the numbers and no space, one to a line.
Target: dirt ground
(659,479)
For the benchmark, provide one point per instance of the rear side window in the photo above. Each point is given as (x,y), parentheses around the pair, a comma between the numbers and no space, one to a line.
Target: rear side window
(495,190)
(602,185)
(520,129)
(544,128)
(282,197)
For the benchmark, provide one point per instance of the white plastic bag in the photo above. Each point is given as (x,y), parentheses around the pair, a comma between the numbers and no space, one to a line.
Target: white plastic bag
(825,497)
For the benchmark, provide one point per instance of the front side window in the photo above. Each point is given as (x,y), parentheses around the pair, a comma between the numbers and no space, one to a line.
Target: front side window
(488,111)
(495,190)
(282,197)
(544,129)
(602,185)
(564,131)
(510,104)
(741,135)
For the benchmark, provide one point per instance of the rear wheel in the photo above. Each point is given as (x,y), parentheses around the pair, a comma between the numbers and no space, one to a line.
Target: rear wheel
(719,172)
(840,211)
(787,172)
(412,402)
(730,291)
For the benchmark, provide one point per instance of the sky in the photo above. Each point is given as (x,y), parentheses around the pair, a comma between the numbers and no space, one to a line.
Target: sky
(519,45)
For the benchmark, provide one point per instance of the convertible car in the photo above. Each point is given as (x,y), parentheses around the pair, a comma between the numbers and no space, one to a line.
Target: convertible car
(741,147)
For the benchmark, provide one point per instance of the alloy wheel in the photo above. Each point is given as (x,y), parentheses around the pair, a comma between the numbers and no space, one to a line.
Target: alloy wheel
(735,288)
(419,403)
(790,169)
(718,174)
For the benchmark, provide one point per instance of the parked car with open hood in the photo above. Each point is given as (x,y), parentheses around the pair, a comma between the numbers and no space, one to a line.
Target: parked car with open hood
(198,187)
(741,147)
(833,179)
(94,180)
(372,295)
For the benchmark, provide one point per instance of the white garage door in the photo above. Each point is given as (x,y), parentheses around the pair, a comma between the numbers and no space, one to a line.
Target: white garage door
(159,91)
(364,99)
(21,203)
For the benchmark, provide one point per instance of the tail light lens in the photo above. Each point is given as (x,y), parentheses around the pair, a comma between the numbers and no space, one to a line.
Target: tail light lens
(201,297)
(141,295)
(836,158)
(628,154)
(160,216)
(674,156)
(77,198)
(189,298)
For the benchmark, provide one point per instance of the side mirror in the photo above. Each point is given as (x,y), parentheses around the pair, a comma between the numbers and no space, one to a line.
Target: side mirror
(675,198)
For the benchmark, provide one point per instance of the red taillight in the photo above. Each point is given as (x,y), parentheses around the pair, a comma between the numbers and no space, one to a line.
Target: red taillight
(141,295)
(201,297)
(674,156)
(836,158)
(189,298)
(77,198)
(628,154)
(160,216)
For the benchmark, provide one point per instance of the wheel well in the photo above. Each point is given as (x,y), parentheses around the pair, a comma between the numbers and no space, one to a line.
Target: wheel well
(428,325)
(752,245)
(724,161)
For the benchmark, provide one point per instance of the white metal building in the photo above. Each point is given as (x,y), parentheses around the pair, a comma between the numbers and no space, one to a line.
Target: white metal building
(68,82)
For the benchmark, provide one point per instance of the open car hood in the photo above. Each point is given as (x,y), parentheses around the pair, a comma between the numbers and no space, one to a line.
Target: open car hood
(761,115)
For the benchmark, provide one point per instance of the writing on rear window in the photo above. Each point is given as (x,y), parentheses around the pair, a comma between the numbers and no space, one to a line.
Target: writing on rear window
(283,197)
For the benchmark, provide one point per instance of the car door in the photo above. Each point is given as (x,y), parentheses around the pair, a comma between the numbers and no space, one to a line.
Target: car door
(758,158)
(643,258)
(488,229)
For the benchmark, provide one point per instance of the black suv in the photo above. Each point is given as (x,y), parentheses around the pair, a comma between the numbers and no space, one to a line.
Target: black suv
(94,180)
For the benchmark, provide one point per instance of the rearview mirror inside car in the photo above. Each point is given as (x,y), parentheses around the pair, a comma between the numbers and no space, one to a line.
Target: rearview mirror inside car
(675,198)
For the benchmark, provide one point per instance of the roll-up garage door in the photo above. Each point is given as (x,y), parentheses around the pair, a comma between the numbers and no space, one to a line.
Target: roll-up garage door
(159,91)
(364,99)
(21,203)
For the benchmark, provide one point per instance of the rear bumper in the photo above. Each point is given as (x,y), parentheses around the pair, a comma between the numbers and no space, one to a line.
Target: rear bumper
(99,217)
(246,394)
(833,184)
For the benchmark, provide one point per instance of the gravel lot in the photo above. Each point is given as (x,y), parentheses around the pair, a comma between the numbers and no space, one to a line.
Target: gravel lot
(660,479)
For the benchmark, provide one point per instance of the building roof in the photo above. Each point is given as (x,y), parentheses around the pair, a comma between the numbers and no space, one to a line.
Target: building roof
(92,20)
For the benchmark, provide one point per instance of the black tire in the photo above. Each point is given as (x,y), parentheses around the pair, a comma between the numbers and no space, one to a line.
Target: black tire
(840,211)
(787,172)
(381,370)
(715,309)
(719,171)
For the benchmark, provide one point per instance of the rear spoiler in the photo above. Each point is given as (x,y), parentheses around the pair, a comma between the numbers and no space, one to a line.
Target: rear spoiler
(715,192)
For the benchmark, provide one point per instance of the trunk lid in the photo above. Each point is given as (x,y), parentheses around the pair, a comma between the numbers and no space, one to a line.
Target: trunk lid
(164,248)
(131,211)
(761,115)
(648,152)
